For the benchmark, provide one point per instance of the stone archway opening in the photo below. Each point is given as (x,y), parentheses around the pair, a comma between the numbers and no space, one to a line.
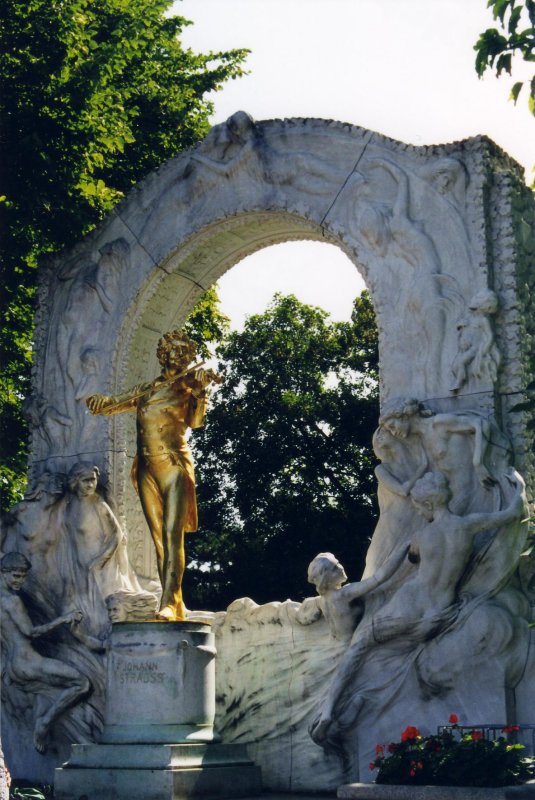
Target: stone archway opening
(169,296)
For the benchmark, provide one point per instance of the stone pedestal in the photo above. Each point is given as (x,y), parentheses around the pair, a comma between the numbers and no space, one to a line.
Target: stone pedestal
(158,741)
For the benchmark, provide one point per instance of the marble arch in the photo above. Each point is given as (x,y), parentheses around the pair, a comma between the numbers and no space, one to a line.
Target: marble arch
(429,228)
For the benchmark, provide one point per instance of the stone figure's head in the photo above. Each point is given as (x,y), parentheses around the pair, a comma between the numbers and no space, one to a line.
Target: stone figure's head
(83,478)
(113,257)
(429,493)
(118,606)
(89,360)
(229,136)
(485,301)
(240,125)
(384,444)
(14,568)
(397,415)
(448,176)
(325,572)
(175,350)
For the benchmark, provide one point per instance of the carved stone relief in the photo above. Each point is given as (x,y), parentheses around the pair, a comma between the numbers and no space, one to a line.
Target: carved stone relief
(74,565)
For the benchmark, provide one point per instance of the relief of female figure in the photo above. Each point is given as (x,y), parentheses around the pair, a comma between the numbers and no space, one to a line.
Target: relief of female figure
(393,232)
(93,553)
(400,468)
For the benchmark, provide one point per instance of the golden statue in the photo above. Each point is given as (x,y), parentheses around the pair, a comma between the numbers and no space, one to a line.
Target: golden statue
(162,471)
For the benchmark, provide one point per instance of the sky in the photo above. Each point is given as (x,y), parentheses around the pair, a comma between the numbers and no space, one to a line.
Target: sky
(403,68)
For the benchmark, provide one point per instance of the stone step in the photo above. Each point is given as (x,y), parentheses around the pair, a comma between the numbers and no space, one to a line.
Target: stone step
(156,756)
(210,782)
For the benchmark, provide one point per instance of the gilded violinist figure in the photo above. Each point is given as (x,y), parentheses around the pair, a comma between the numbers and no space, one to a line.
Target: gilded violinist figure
(162,471)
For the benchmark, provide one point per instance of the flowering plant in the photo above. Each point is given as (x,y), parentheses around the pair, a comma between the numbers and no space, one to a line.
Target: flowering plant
(453,758)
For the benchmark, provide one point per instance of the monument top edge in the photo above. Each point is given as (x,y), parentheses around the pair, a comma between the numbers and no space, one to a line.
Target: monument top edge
(189,626)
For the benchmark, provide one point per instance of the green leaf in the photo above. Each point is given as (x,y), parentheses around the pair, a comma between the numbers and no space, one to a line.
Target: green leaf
(514,19)
(515,91)
(500,7)
(503,63)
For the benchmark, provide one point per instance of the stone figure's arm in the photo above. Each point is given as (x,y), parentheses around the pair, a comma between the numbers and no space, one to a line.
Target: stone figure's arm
(401,203)
(354,590)
(223,167)
(105,301)
(111,542)
(480,428)
(516,510)
(309,611)
(106,405)
(71,618)
(484,346)
(91,642)
(384,476)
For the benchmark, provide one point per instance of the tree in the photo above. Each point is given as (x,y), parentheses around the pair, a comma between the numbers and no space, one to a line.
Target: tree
(284,462)
(93,95)
(496,49)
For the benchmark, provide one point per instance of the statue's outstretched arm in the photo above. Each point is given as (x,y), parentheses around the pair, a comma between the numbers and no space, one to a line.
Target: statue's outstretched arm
(393,562)
(515,511)
(71,618)
(106,405)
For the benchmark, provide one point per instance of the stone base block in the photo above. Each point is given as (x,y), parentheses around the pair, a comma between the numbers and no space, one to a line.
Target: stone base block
(157,772)
(372,791)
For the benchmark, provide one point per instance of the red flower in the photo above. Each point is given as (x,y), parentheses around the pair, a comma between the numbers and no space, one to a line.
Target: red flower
(476,735)
(379,749)
(412,773)
(392,747)
(511,729)
(454,719)
(410,733)
(372,765)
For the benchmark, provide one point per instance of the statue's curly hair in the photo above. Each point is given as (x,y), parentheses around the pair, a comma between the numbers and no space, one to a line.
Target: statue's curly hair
(170,339)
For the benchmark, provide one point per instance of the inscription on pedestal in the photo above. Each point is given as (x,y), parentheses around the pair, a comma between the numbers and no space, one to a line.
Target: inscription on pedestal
(130,671)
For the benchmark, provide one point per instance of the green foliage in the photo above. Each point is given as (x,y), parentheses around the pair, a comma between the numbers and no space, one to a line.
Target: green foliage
(23,790)
(206,324)
(495,49)
(453,758)
(93,95)
(284,463)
